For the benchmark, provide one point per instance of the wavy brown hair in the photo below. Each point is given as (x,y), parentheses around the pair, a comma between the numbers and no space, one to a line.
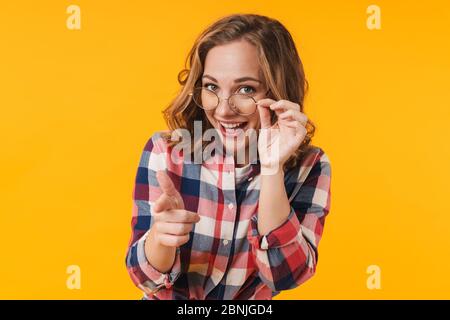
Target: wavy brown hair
(281,66)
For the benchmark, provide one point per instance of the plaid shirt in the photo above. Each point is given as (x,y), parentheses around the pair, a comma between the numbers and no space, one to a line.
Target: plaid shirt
(226,258)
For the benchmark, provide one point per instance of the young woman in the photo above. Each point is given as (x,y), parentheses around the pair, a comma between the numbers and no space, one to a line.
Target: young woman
(232,226)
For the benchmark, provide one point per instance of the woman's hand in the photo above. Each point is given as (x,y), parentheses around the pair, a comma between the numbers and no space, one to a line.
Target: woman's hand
(172,223)
(276,143)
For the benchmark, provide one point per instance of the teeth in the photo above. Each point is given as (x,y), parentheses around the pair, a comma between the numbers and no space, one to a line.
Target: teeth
(230,125)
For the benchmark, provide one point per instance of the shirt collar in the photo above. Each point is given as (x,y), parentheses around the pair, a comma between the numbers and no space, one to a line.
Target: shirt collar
(227,160)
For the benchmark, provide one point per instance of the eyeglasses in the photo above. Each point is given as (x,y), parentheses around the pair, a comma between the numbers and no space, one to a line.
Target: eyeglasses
(239,103)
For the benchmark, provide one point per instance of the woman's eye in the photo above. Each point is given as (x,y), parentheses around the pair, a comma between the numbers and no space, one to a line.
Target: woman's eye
(247,90)
(210,86)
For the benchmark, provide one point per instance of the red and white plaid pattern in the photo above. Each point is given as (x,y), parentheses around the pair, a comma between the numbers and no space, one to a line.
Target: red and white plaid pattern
(225,257)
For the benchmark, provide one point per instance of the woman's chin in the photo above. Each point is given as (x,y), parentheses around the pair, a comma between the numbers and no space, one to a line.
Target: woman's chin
(234,141)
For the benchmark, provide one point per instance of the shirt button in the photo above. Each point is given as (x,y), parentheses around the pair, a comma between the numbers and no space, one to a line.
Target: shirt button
(225,242)
(230,206)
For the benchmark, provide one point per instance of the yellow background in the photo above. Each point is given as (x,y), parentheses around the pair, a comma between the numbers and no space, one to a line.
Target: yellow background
(77,107)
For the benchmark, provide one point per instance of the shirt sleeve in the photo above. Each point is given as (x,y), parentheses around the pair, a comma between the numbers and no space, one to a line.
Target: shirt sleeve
(145,192)
(287,255)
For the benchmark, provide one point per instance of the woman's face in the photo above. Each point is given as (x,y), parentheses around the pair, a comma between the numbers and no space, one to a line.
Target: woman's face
(233,68)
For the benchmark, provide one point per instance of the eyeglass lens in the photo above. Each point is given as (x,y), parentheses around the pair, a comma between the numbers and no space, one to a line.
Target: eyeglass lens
(208,100)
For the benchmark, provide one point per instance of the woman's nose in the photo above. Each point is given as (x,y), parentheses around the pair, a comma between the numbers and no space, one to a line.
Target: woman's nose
(224,109)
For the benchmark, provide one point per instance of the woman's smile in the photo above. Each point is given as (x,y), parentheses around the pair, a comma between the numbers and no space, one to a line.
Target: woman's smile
(231,128)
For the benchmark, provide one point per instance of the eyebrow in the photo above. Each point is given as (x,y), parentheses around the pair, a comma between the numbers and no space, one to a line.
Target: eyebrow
(238,80)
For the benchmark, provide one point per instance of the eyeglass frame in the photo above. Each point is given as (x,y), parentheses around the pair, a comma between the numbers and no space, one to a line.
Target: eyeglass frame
(228,102)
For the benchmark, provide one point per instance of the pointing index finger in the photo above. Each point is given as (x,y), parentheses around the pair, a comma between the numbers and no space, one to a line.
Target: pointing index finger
(165,183)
